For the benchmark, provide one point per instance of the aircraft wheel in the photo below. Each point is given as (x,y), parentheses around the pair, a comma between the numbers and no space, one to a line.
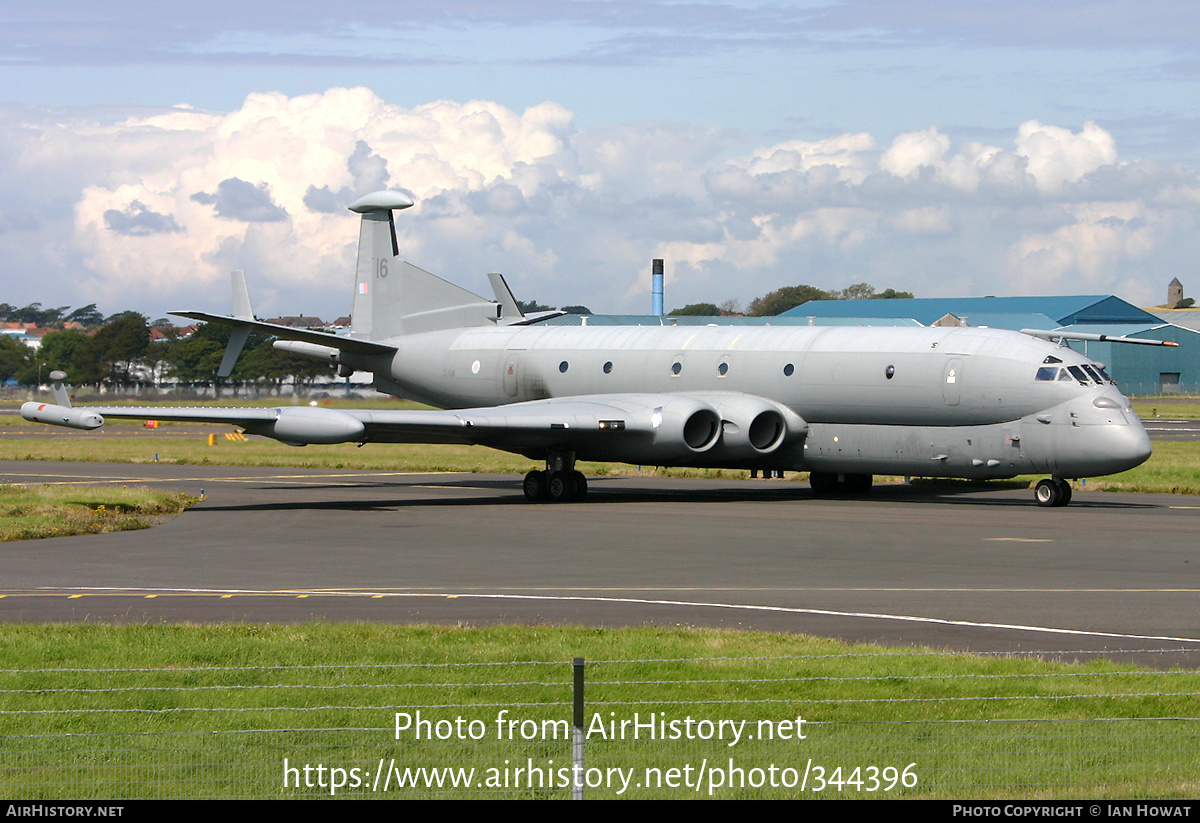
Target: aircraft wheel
(824,484)
(563,487)
(581,486)
(1065,488)
(1048,493)
(535,487)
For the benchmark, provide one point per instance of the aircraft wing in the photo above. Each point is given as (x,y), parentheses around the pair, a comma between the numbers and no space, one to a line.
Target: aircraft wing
(648,428)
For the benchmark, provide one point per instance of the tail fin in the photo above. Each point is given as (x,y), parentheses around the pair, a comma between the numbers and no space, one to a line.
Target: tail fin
(240,334)
(394,298)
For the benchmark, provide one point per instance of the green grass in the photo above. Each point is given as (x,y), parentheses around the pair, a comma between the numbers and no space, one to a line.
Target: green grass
(1171,407)
(154,711)
(1174,468)
(28,512)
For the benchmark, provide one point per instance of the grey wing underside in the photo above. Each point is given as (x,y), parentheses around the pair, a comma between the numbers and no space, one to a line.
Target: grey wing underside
(522,427)
(662,429)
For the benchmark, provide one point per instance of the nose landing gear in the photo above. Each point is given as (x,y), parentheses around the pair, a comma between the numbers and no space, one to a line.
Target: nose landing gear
(1052,492)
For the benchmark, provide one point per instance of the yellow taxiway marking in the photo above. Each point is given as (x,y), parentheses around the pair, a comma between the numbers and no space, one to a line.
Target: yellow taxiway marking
(1019,539)
(1184,507)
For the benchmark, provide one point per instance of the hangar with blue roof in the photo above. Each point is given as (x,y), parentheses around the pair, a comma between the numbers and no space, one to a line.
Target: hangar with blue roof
(1139,370)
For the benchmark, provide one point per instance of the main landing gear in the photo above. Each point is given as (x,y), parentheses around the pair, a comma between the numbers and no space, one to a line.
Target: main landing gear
(558,483)
(1053,491)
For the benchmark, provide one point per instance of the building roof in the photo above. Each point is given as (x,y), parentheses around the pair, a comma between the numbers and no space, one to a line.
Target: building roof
(721,320)
(1062,310)
(1188,318)
(1016,322)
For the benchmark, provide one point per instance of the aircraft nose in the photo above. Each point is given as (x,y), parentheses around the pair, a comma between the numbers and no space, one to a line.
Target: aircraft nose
(1134,447)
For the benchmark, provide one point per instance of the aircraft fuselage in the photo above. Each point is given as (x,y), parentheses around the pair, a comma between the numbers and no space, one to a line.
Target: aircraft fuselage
(955,402)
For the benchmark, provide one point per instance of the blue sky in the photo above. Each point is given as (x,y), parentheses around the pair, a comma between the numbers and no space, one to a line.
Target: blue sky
(946,148)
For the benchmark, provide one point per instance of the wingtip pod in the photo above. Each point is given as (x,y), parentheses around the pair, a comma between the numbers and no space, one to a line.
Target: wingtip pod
(57,415)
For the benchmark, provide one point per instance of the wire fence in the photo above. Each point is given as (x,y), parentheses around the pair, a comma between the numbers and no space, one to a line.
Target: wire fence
(877,725)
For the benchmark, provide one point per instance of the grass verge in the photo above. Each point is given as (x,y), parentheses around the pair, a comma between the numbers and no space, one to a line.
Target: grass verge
(188,711)
(28,512)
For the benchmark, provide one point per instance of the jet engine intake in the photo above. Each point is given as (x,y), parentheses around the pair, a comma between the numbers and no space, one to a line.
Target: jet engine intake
(754,426)
(683,426)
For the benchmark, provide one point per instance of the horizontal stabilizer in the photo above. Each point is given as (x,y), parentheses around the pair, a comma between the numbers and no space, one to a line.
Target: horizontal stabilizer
(335,341)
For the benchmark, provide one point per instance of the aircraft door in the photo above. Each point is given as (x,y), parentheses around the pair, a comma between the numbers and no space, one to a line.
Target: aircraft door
(951,379)
(512,368)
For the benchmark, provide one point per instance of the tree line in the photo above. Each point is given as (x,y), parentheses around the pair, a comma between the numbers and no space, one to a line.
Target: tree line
(780,300)
(121,354)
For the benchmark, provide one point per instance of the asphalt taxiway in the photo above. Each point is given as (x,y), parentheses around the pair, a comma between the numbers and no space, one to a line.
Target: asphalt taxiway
(957,567)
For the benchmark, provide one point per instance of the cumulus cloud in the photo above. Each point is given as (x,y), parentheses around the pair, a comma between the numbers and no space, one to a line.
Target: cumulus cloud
(165,205)
(1056,156)
(138,220)
(239,200)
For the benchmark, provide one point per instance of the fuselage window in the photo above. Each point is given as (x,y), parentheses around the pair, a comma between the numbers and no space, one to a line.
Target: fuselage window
(723,369)
(788,370)
(608,367)
(563,366)
(889,372)
(676,367)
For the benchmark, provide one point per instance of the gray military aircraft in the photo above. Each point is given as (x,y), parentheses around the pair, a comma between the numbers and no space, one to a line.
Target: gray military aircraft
(843,403)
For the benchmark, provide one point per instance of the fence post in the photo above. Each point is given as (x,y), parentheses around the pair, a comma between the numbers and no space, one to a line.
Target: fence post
(577,732)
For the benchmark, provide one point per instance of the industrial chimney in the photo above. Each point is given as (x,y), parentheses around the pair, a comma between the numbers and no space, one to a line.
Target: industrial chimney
(656,288)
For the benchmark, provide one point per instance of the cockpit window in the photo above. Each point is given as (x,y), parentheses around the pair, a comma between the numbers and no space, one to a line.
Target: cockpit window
(1104,374)
(1063,374)
(1094,374)
(1078,374)
(1047,373)
(1051,359)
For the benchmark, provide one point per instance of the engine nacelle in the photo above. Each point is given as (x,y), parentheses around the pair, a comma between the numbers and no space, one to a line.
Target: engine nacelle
(303,425)
(57,415)
(754,427)
(683,426)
